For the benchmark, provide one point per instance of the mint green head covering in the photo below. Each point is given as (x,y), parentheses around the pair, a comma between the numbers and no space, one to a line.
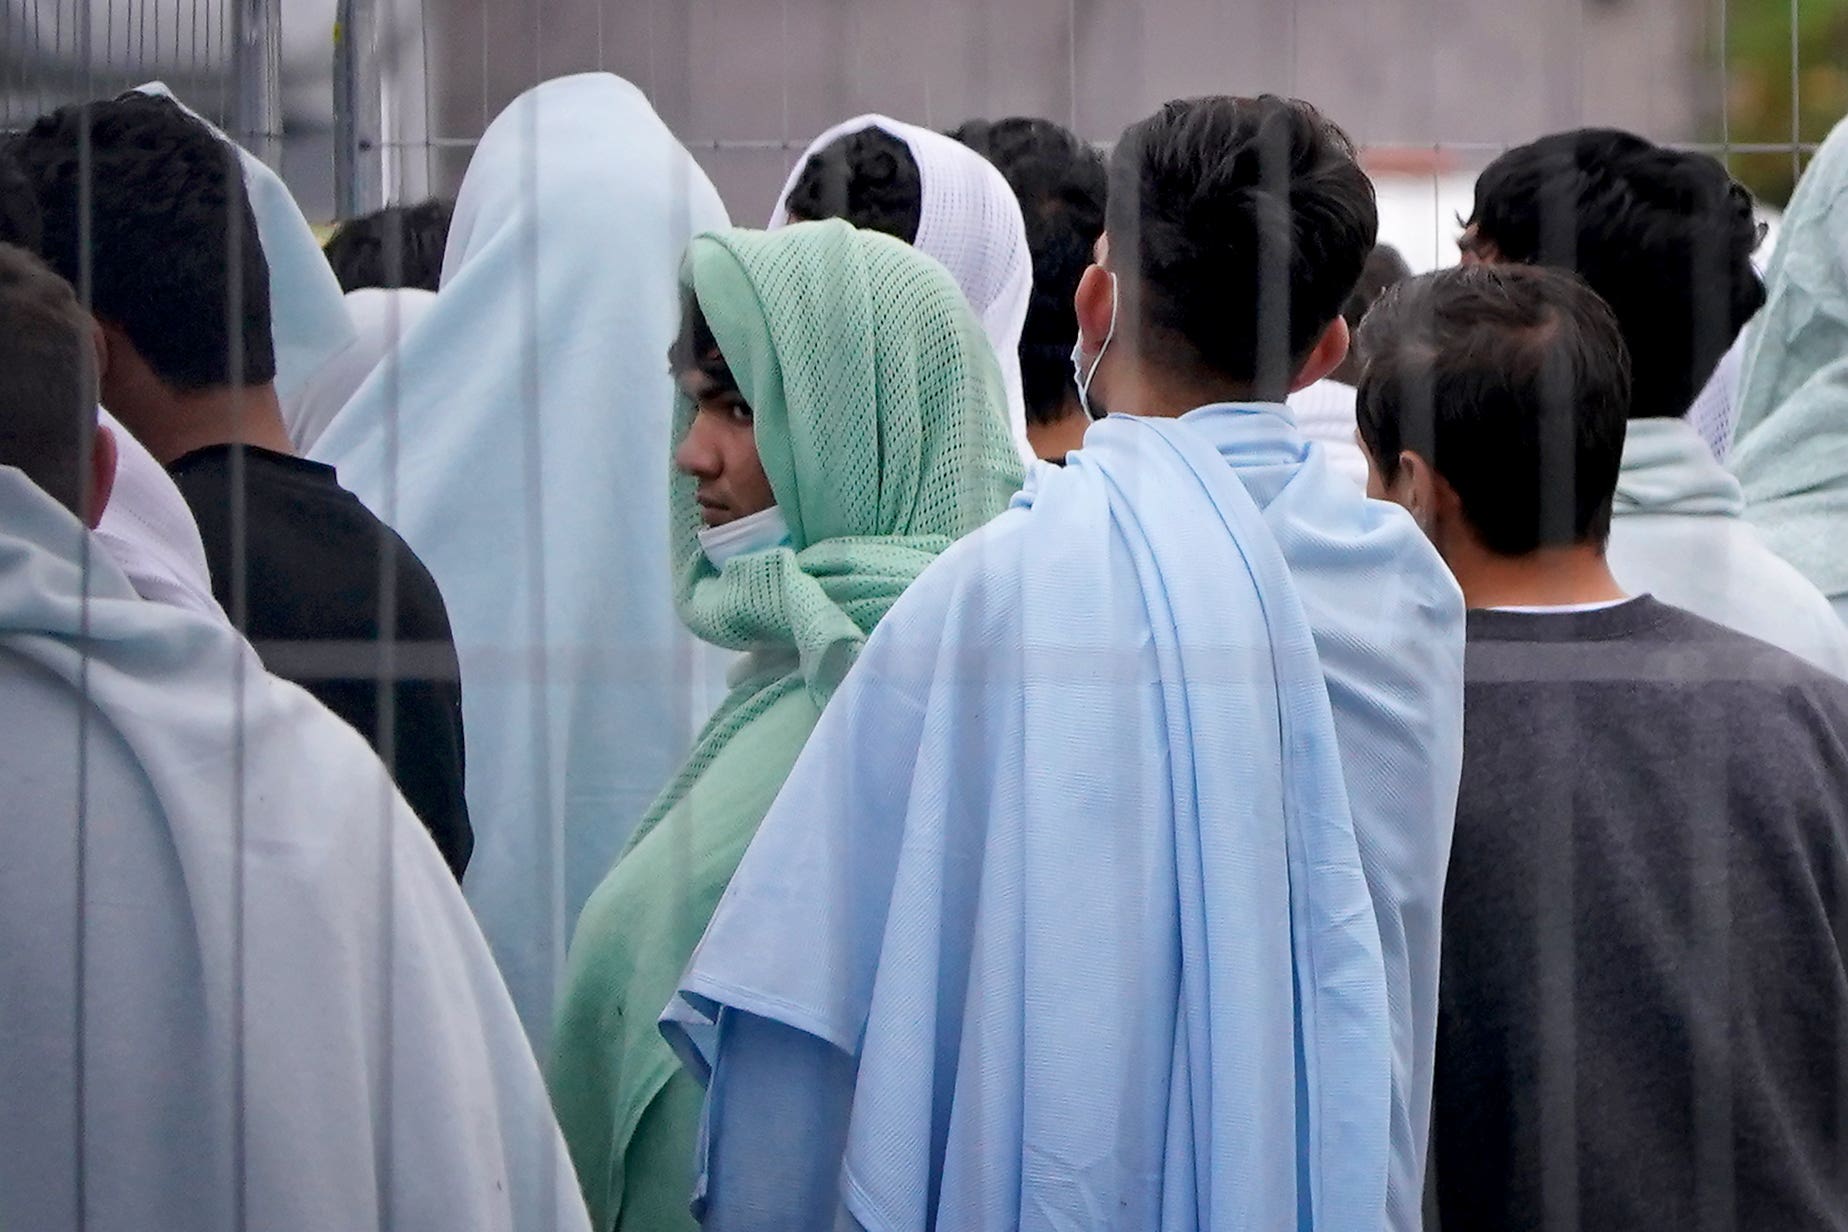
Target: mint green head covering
(1791,452)
(881,424)
(881,421)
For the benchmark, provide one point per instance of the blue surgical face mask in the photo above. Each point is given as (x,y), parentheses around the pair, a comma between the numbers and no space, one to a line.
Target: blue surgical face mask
(1083,376)
(754,532)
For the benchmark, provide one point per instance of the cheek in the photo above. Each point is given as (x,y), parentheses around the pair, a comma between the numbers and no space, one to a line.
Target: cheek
(744,471)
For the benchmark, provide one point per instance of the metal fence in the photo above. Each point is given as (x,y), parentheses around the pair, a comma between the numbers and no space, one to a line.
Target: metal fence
(223,56)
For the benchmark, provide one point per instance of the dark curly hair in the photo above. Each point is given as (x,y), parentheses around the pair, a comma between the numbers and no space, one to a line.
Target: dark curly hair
(1062,185)
(1238,226)
(1512,382)
(174,257)
(398,246)
(1666,237)
(868,178)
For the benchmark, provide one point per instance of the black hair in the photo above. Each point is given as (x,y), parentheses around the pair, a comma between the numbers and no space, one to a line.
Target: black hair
(695,349)
(1665,237)
(1384,268)
(20,224)
(48,398)
(174,257)
(398,246)
(1062,184)
(1513,383)
(1242,224)
(868,178)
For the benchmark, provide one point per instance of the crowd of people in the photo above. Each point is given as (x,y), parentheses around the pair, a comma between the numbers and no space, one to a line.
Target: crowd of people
(1036,691)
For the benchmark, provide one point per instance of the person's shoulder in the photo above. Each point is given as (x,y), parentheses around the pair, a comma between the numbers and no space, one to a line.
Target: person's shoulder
(1738,653)
(49,720)
(979,572)
(1648,640)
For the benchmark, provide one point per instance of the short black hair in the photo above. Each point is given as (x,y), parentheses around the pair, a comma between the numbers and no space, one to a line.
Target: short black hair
(1243,223)
(1062,185)
(695,349)
(1665,236)
(48,393)
(1384,268)
(868,178)
(398,246)
(1513,383)
(20,224)
(175,261)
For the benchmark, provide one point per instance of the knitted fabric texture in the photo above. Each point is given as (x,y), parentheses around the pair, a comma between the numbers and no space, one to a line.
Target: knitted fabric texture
(875,397)
(876,403)
(970,220)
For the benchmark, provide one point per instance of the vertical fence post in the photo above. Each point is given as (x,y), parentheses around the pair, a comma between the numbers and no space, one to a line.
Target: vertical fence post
(256,66)
(358,152)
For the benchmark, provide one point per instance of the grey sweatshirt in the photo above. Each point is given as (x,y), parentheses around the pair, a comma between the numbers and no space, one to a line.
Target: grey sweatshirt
(1643,1013)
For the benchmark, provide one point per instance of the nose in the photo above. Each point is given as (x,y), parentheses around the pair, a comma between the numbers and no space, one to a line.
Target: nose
(698,453)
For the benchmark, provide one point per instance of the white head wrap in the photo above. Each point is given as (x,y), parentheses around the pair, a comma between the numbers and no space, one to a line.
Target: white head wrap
(522,451)
(381,318)
(969,221)
(148,530)
(1715,413)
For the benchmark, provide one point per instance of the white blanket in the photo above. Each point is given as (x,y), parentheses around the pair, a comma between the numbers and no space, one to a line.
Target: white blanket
(238,987)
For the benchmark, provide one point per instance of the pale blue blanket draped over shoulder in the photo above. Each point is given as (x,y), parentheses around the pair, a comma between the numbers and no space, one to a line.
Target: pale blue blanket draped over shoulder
(518,442)
(1106,894)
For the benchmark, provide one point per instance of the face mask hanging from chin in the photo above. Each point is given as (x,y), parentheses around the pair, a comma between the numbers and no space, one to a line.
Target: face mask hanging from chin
(756,532)
(1082,376)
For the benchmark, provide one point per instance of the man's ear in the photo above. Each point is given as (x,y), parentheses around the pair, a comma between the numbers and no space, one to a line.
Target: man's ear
(102,475)
(1329,350)
(1094,302)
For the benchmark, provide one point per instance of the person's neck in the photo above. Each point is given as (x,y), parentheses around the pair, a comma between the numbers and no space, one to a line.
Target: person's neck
(1159,396)
(1550,577)
(1054,439)
(231,415)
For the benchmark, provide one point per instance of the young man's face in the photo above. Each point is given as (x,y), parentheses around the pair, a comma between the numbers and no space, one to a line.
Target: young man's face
(720,452)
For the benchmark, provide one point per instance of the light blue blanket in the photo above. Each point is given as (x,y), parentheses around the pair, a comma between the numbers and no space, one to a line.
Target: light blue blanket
(1106,893)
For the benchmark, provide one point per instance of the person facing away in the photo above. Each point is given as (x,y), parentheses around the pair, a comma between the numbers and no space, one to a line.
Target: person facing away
(518,440)
(146,526)
(825,460)
(147,207)
(1106,892)
(942,198)
(1061,183)
(1644,991)
(400,246)
(1666,239)
(1325,410)
(1791,453)
(237,985)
